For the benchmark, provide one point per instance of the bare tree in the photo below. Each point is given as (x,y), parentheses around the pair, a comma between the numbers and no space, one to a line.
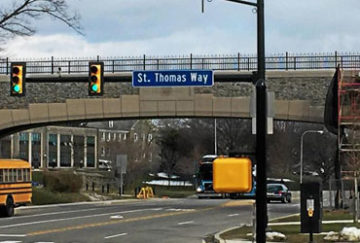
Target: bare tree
(16,18)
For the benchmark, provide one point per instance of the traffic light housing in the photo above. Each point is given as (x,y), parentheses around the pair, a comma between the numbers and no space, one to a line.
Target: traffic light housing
(96,78)
(17,79)
(232,175)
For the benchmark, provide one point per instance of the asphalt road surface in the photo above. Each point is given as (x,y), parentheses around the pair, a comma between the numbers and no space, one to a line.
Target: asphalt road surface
(156,220)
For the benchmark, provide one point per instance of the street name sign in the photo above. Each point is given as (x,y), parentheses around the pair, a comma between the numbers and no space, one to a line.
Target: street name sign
(170,78)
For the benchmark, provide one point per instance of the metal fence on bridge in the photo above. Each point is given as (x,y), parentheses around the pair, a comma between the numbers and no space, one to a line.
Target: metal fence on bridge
(235,62)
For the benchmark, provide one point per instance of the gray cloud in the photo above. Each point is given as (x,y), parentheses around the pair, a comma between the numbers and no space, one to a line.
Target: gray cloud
(161,27)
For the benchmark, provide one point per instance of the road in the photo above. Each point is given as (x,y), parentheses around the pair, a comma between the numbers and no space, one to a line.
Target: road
(156,220)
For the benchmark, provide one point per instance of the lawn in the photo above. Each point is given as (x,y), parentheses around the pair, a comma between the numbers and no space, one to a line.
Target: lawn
(292,231)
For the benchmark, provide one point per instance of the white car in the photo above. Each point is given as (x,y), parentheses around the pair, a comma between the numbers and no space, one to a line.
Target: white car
(105,164)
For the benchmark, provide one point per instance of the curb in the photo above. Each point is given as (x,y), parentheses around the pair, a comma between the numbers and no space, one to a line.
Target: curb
(217,237)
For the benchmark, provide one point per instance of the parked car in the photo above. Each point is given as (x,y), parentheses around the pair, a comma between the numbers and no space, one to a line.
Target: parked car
(105,164)
(278,192)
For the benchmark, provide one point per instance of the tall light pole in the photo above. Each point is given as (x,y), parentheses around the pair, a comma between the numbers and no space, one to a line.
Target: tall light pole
(301,150)
(261,202)
(215,138)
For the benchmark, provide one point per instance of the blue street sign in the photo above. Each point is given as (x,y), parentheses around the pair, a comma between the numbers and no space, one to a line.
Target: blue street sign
(166,78)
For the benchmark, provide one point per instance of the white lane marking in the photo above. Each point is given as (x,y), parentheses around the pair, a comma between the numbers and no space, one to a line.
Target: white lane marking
(186,222)
(116,217)
(180,209)
(8,241)
(11,235)
(113,236)
(44,242)
(79,217)
(233,215)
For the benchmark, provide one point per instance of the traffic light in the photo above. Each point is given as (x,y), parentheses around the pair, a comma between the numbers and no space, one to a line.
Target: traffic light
(96,78)
(232,175)
(17,79)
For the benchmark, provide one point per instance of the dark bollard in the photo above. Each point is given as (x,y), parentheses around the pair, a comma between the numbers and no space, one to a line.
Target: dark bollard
(93,186)
(102,188)
(107,188)
(87,187)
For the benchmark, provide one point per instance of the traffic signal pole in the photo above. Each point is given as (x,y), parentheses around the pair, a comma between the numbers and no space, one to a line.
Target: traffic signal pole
(261,125)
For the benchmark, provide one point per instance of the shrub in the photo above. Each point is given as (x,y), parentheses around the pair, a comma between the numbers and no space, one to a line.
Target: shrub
(43,196)
(38,177)
(62,181)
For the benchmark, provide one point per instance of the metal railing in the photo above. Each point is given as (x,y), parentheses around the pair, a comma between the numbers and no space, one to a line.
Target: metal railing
(237,62)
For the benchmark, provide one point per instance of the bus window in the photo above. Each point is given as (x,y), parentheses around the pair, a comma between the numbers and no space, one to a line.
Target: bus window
(5,173)
(27,174)
(13,175)
(19,175)
(1,176)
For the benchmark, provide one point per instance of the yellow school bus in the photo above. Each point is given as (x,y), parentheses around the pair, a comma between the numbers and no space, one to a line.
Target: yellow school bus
(15,185)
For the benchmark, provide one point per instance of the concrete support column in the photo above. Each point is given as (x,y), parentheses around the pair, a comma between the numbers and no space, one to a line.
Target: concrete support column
(30,148)
(72,150)
(85,151)
(42,147)
(95,152)
(11,146)
(46,145)
(58,150)
(15,145)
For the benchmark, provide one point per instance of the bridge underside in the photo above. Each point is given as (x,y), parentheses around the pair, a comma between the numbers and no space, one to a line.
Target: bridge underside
(150,103)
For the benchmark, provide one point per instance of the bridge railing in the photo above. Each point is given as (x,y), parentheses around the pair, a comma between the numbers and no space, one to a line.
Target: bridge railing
(237,62)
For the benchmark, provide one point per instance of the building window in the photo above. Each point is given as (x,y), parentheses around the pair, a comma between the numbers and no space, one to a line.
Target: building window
(111,124)
(52,158)
(24,146)
(124,136)
(114,136)
(102,136)
(78,151)
(102,151)
(135,137)
(108,137)
(90,154)
(35,150)
(119,137)
(65,150)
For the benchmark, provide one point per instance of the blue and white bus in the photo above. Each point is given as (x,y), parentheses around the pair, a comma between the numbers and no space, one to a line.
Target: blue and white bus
(205,178)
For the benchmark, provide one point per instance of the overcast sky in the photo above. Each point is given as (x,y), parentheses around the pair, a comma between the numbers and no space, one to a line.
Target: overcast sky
(177,27)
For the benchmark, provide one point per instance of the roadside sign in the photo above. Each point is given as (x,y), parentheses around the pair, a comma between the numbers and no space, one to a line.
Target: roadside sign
(170,78)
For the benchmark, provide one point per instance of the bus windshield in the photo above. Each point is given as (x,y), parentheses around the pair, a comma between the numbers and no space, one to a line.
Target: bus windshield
(206,171)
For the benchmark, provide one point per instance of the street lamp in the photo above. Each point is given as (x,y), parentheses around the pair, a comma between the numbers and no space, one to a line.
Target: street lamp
(301,150)
(261,206)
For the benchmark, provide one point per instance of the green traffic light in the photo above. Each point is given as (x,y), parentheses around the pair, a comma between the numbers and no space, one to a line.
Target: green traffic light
(17,88)
(94,87)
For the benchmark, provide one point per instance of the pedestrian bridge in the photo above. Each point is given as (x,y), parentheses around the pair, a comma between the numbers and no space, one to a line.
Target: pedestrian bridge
(299,96)
(150,103)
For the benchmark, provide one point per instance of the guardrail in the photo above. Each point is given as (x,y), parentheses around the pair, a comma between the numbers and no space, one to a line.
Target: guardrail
(237,62)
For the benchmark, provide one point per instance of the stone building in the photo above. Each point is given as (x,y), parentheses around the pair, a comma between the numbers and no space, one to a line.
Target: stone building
(133,138)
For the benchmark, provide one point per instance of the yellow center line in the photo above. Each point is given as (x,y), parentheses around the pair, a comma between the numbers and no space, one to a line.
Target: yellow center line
(90,225)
